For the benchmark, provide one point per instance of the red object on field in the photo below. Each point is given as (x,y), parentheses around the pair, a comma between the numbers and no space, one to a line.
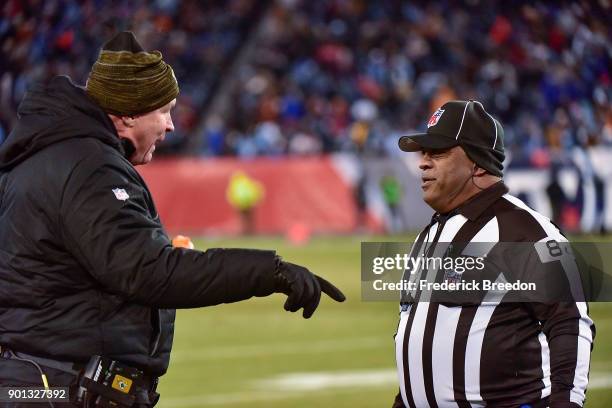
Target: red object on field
(190,195)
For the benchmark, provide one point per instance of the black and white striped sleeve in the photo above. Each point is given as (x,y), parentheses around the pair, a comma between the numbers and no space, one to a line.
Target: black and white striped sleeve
(569,332)
(564,321)
(568,329)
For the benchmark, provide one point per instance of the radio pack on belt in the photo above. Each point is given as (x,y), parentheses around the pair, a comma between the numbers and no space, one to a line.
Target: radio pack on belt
(110,384)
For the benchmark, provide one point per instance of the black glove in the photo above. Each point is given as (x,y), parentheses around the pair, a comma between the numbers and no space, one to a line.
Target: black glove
(302,287)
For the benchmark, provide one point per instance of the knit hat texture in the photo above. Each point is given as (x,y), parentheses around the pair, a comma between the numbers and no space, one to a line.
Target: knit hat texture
(127,80)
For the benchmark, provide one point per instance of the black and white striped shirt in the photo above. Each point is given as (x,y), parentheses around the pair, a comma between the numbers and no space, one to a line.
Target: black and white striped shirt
(493,354)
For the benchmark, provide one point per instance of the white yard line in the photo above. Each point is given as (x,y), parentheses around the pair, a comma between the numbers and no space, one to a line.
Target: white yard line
(297,385)
(333,379)
(600,380)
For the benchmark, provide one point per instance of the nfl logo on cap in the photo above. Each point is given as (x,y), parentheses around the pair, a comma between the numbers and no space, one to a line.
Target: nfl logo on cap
(433,121)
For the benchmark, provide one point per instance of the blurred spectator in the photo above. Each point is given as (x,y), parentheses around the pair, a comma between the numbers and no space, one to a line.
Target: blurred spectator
(244,194)
(391,189)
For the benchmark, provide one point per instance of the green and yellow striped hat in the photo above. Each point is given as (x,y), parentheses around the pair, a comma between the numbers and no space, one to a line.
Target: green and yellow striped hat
(126,80)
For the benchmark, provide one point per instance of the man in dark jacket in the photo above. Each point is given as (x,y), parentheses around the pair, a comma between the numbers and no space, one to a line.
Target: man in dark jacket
(86,268)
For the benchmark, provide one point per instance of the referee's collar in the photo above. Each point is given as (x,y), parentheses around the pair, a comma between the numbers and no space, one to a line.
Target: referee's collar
(475,206)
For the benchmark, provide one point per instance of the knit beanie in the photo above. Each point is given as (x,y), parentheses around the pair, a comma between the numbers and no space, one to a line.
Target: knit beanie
(126,80)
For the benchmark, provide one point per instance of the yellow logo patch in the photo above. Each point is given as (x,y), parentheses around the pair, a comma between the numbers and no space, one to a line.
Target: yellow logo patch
(122,384)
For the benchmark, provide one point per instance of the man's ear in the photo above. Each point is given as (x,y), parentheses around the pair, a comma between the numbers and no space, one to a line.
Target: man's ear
(128,121)
(478,172)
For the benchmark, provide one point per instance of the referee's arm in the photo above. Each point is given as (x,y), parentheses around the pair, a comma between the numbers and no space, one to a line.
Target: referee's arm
(568,329)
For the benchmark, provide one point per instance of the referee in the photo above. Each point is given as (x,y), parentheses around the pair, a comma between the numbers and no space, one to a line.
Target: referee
(489,353)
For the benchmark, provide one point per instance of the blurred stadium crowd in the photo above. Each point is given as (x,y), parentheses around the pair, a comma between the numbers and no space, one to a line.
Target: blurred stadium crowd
(339,75)
(43,38)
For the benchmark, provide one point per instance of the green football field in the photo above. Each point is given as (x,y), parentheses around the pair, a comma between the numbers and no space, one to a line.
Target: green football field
(254,354)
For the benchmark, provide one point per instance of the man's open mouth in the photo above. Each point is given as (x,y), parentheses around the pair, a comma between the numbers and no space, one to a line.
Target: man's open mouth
(426,181)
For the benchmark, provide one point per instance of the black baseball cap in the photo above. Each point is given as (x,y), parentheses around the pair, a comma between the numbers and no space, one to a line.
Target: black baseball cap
(466,124)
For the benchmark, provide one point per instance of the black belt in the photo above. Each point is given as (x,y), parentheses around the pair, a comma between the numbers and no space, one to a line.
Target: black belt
(148,396)
(67,367)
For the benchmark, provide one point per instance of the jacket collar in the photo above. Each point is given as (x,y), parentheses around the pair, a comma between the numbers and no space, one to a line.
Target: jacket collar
(475,206)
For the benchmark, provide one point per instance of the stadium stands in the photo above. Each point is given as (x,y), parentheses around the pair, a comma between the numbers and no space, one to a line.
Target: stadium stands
(42,39)
(352,75)
(341,75)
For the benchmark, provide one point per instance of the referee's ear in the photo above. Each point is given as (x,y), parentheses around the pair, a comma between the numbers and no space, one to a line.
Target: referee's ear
(478,171)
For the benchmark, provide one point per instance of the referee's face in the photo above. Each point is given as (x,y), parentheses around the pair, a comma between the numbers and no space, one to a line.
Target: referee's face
(445,176)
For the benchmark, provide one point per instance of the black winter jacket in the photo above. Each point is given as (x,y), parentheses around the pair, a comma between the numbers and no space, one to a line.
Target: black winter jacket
(85,265)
